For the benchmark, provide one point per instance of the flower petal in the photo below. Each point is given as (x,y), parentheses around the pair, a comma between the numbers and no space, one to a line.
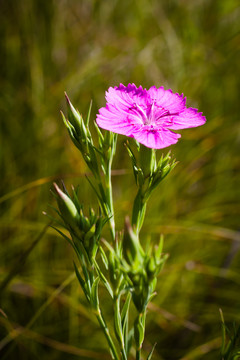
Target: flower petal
(188,118)
(155,139)
(114,122)
(125,97)
(166,99)
(147,115)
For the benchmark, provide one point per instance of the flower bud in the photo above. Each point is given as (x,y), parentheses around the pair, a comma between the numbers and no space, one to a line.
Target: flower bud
(67,209)
(132,249)
(151,267)
(75,118)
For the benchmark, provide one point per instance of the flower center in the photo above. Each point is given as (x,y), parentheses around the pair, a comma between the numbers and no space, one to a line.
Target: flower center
(150,115)
(139,113)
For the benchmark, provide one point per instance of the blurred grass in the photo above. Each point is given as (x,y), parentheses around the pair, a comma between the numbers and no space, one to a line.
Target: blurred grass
(84,47)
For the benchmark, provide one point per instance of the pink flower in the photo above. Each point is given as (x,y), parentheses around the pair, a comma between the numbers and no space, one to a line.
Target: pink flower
(147,115)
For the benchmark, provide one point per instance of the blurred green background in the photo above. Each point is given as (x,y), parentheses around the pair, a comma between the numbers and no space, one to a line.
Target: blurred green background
(83,47)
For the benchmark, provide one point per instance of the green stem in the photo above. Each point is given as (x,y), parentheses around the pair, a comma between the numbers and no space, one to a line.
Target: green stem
(109,198)
(107,334)
(138,354)
(139,332)
(118,326)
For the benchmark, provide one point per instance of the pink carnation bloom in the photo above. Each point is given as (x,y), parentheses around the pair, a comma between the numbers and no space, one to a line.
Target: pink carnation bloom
(147,115)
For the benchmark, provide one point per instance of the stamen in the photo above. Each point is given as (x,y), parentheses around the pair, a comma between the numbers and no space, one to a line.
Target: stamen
(141,112)
(151,117)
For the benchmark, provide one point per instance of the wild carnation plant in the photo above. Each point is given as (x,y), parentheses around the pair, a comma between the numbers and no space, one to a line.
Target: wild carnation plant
(124,263)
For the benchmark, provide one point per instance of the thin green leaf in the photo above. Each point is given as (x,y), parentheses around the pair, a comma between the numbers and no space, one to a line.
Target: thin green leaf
(95,190)
(76,200)
(89,113)
(124,320)
(94,294)
(104,280)
(117,322)
(81,282)
(139,331)
(65,237)
(101,138)
(130,338)
(125,308)
(104,257)
(151,352)
(62,224)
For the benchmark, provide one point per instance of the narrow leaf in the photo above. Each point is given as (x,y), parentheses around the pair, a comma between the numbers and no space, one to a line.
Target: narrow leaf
(94,294)
(151,352)
(124,319)
(104,280)
(81,282)
(117,320)
(104,257)
(95,190)
(125,308)
(89,113)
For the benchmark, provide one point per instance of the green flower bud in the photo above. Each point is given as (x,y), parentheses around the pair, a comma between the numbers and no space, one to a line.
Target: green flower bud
(90,234)
(68,210)
(75,118)
(132,250)
(151,268)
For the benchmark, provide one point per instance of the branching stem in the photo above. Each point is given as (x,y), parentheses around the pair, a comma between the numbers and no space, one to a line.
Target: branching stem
(107,334)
